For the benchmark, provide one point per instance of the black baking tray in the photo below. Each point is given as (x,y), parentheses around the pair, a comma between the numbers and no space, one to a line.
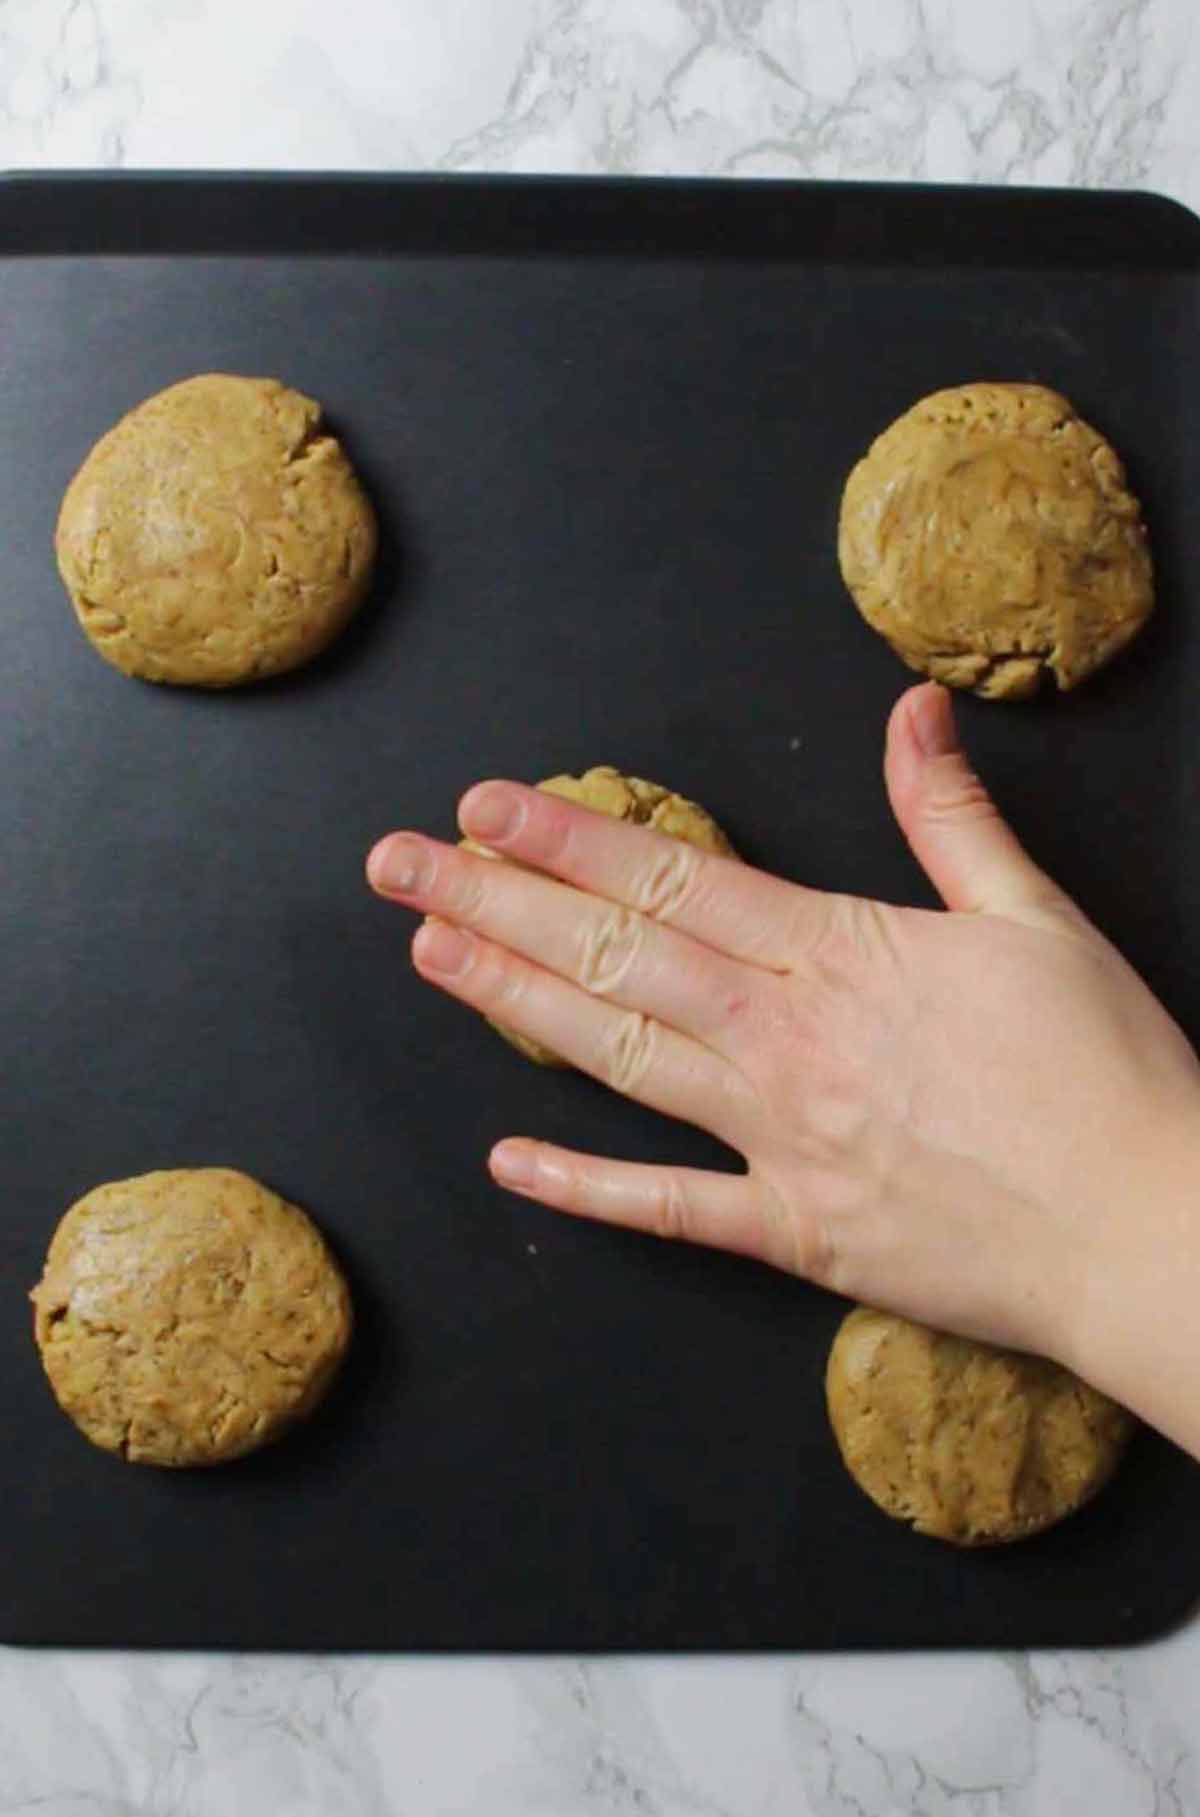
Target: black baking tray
(606,424)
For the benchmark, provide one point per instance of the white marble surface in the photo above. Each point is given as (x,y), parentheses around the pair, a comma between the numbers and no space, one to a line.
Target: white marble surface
(1074,91)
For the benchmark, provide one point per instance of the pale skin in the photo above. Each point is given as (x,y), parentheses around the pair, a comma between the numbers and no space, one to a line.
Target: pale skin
(980,1117)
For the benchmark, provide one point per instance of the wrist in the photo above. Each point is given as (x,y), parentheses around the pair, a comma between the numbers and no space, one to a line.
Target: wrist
(1129,1323)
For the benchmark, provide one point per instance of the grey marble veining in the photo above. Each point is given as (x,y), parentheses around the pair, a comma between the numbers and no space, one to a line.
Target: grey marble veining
(1061,91)
(1045,91)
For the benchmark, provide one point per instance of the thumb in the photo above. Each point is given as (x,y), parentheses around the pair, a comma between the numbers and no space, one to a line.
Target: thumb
(970,855)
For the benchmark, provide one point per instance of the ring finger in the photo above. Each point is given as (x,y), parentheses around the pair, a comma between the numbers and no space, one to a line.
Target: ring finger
(623,1048)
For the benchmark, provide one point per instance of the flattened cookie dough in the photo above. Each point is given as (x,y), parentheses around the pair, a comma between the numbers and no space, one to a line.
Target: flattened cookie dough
(189,1317)
(216,535)
(989,535)
(606,791)
(969,1443)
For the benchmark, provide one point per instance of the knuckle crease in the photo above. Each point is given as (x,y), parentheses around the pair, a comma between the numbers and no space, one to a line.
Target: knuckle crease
(671,1211)
(611,946)
(668,881)
(631,1051)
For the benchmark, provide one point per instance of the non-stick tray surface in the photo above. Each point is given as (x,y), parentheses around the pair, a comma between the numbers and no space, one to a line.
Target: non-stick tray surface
(607,426)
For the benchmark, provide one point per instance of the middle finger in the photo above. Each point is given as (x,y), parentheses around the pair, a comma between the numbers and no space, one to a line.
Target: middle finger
(605,948)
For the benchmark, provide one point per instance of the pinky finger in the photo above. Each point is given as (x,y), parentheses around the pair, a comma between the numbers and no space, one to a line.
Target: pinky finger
(680,1203)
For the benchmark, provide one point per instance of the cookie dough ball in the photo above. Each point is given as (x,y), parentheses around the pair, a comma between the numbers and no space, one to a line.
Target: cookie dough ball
(989,535)
(188,1317)
(216,535)
(969,1443)
(606,791)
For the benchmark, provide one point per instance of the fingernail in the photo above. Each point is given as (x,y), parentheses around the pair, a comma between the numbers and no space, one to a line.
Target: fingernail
(932,721)
(401,865)
(493,812)
(514,1164)
(442,948)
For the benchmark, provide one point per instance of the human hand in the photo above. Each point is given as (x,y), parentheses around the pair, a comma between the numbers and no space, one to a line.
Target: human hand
(981,1119)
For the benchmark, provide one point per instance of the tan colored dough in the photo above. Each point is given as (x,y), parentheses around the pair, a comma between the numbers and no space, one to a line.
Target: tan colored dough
(607,791)
(189,1316)
(970,1443)
(216,535)
(989,535)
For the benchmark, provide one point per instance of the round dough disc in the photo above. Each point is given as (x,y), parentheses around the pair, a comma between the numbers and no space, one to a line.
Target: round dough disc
(969,1443)
(188,1317)
(607,791)
(216,535)
(989,535)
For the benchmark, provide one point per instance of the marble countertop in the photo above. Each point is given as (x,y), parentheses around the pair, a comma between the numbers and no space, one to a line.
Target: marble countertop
(1047,91)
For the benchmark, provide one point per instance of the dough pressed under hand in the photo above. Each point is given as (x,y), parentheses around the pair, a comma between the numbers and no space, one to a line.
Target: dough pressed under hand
(607,791)
(969,1443)
(189,1316)
(989,535)
(216,535)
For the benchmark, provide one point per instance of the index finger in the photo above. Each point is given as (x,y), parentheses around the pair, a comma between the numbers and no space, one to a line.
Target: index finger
(730,906)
